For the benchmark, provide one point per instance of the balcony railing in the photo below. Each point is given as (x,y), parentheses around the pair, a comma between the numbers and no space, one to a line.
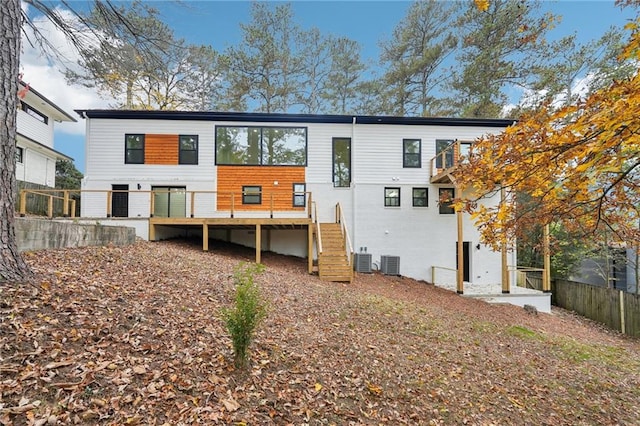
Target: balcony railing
(143,203)
(443,164)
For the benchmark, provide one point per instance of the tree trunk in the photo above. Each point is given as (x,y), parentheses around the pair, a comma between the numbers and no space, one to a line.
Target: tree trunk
(12,266)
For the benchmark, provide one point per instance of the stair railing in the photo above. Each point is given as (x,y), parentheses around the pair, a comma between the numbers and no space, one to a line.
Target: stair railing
(317,226)
(348,247)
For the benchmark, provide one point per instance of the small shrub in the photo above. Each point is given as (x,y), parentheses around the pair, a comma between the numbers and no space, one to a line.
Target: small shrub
(248,310)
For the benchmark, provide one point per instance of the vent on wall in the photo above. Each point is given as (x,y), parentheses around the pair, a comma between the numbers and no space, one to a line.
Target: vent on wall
(390,265)
(362,262)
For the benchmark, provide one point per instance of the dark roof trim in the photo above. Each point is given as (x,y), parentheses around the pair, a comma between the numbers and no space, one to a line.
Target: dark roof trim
(59,155)
(44,98)
(288,118)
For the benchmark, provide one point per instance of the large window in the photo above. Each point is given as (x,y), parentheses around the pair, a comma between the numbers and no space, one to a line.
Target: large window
(134,149)
(442,145)
(420,197)
(342,162)
(446,198)
(188,149)
(392,197)
(251,195)
(266,146)
(411,153)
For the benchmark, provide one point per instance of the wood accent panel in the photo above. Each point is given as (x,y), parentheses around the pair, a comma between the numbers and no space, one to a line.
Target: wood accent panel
(160,149)
(231,179)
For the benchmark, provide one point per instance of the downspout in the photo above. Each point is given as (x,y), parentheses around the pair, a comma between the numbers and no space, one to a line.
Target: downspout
(353,186)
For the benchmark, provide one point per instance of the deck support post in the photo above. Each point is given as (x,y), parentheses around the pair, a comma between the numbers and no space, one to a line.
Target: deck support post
(506,287)
(152,231)
(310,247)
(258,242)
(205,237)
(546,274)
(460,265)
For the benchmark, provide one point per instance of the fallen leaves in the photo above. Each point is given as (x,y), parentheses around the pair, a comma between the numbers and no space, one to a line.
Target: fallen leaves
(131,335)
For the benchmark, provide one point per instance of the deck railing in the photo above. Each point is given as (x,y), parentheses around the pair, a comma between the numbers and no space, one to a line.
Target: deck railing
(196,203)
(442,268)
(448,158)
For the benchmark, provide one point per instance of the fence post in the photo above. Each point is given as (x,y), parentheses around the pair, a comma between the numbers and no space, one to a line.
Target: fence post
(65,203)
(622,322)
(23,203)
(50,207)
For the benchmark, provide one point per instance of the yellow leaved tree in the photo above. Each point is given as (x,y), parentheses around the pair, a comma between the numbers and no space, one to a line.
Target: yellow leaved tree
(578,165)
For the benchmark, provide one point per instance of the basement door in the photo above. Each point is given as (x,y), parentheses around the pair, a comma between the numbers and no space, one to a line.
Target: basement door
(466,261)
(120,201)
(169,201)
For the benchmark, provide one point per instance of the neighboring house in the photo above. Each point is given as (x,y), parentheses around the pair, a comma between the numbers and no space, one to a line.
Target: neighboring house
(263,179)
(619,267)
(35,155)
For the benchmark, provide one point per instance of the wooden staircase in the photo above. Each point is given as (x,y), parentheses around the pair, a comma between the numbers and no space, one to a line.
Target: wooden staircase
(333,261)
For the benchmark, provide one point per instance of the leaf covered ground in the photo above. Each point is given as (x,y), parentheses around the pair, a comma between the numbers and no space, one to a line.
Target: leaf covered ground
(132,335)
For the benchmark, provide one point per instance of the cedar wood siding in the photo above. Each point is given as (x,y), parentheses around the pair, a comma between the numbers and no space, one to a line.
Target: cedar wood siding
(160,149)
(233,178)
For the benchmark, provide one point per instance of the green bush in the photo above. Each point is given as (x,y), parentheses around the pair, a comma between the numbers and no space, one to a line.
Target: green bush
(248,310)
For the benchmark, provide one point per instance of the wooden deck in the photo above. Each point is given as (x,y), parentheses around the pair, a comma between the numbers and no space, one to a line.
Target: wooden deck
(256,223)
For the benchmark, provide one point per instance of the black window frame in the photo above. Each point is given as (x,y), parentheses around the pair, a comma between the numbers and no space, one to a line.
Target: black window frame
(448,158)
(183,157)
(261,158)
(128,150)
(19,154)
(446,208)
(388,199)
(299,197)
(337,181)
(248,195)
(407,155)
(425,198)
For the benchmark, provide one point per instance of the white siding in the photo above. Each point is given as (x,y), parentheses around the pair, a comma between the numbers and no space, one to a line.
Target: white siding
(35,129)
(36,168)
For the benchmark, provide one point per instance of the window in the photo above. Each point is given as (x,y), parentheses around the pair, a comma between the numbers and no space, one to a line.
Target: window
(134,149)
(265,146)
(442,145)
(251,195)
(465,151)
(420,197)
(19,154)
(299,196)
(392,197)
(411,153)
(446,197)
(342,162)
(188,149)
(34,112)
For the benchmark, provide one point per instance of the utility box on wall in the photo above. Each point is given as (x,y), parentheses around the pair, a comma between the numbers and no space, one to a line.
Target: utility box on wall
(390,265)
(362,263)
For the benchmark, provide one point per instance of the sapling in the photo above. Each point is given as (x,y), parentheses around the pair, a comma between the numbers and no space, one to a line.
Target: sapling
(247,312)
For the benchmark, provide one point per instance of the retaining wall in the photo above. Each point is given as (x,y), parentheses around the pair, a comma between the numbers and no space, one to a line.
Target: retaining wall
(39,234)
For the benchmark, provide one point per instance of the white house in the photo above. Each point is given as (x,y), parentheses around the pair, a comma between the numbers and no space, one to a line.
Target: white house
(204,167)
(35,155)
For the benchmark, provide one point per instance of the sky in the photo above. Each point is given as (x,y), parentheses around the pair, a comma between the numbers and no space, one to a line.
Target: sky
(217,23)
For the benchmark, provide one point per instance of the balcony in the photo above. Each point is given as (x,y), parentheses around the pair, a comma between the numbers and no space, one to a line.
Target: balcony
(443,164)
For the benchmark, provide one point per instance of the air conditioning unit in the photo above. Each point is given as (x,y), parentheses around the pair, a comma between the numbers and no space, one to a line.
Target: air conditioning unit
(362,263)
(390,265)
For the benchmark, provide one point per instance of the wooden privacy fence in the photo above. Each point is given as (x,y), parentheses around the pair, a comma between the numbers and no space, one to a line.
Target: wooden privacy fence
(614,308)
